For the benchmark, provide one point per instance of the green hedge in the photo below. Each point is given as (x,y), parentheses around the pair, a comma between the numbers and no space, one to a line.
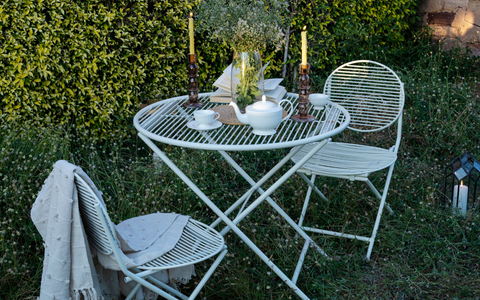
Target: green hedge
(91,62)
(344,30)
(88,62)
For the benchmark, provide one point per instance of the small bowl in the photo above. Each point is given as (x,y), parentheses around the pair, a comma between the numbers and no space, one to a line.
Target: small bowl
(318,100)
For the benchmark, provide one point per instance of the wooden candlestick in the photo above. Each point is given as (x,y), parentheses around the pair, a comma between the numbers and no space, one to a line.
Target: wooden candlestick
(304,92)
(192,83)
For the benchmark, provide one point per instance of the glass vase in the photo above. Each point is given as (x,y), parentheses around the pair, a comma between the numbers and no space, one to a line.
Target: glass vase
(246,78)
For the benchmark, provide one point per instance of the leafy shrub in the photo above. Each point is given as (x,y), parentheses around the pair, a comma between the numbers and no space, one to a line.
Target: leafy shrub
(342,31)
(90,63)
(338,31)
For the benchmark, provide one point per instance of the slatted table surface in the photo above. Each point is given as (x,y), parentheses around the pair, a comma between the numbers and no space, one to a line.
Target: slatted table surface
(166,121)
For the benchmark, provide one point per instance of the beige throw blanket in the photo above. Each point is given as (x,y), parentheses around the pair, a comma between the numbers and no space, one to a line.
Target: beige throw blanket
(68,269)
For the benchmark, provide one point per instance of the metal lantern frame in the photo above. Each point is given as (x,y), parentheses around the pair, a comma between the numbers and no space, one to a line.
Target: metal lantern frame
(463,169)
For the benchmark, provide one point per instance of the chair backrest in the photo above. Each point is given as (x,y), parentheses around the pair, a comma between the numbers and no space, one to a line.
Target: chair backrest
(95,219)
(371,92)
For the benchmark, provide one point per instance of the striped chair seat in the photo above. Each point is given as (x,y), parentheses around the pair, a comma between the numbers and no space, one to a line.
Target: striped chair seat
(345,159)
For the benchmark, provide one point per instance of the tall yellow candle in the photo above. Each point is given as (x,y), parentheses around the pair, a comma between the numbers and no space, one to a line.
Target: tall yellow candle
(190,29)
(304,45)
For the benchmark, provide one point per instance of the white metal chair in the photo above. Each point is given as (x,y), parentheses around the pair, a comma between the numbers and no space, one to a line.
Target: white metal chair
(374,96)
(101,233)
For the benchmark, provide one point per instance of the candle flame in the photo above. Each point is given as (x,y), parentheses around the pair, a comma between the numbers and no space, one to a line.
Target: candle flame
(191,14)
(304,27)
(461,183)
(264,98)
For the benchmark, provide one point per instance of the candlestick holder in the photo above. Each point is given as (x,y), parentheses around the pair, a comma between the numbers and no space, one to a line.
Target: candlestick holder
(304,92)
(192,83)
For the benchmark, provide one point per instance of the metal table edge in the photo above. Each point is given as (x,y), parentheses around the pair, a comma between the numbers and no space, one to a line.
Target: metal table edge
(217,147)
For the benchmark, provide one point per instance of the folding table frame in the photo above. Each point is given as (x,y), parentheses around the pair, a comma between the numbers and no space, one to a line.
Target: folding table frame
(165,121)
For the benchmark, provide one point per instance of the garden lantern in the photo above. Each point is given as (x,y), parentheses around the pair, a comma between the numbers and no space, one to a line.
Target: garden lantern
(461,183)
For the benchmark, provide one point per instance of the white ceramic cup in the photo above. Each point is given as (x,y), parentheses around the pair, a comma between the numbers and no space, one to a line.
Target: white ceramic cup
(205,117)
(318,100)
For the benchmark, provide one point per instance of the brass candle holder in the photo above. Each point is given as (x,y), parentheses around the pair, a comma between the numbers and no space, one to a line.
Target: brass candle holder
(304,92)
(192,83)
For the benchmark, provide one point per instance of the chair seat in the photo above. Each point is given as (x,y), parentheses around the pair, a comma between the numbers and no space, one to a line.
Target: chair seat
(197,243)
(344,159)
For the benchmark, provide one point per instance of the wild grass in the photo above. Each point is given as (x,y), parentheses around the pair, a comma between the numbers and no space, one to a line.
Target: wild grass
(423,251)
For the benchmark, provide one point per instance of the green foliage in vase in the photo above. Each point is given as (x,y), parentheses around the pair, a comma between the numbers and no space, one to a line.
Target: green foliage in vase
(247,88)
(244,25)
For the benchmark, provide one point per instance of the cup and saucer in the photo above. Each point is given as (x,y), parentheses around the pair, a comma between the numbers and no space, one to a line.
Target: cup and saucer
(205,120)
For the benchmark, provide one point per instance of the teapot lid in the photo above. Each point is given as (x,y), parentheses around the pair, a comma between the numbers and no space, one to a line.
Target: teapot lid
(264,105)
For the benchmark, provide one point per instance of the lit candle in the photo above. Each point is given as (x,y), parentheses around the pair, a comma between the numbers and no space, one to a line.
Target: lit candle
(461,201)
(304,45)
(190,29)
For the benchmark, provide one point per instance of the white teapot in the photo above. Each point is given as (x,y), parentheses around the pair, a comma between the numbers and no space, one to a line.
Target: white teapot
(264,116)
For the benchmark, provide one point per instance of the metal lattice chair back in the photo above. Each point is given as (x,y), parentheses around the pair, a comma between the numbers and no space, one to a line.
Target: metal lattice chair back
(371,92)
(90,207)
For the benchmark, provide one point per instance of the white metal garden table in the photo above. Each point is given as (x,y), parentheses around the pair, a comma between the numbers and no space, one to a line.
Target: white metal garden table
(166,122)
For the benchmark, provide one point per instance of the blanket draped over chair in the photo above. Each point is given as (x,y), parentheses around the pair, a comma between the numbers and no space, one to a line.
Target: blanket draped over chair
(69,271)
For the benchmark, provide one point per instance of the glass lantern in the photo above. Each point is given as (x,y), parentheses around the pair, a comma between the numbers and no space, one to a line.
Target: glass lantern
(461,184)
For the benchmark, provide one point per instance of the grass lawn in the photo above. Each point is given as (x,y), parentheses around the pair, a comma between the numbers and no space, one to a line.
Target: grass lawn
(423,251)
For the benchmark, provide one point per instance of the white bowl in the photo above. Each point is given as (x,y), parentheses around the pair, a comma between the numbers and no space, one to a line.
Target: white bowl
(318,100)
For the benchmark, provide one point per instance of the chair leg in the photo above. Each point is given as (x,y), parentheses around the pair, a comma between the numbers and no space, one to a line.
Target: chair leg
(164,286)
(305,204)
(311,185)
(209,273)
(200,285)
(300,262)
(380,210)
(148,285)
(133,292)
(375,191)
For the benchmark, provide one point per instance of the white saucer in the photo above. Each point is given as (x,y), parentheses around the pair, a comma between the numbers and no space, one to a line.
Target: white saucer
(213,125)
(264,132)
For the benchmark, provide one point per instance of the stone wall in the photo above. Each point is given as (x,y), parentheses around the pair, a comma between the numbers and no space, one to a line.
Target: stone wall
(455,22)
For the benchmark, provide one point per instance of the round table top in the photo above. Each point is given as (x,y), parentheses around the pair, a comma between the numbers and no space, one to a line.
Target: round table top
(166,121)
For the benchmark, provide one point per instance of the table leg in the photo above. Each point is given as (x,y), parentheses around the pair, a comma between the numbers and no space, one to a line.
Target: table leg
(265,194)
(255,186)
(224,218)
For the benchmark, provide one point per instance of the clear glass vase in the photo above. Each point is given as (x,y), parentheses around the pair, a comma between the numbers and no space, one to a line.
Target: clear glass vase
(246,78)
